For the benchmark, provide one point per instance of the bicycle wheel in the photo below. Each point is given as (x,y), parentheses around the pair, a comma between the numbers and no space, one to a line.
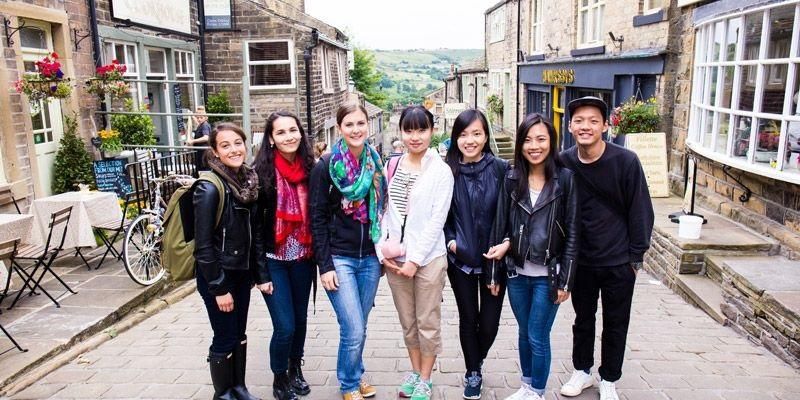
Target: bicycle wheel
(142,251)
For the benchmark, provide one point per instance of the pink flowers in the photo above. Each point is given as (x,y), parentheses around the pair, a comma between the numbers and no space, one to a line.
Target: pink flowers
(108,79)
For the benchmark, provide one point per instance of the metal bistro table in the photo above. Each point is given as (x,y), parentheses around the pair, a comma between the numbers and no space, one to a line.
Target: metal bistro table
(89,208)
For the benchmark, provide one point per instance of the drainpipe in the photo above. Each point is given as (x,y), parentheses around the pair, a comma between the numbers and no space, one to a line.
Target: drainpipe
(516,90)
(201,15)
(307,61)
(476,92)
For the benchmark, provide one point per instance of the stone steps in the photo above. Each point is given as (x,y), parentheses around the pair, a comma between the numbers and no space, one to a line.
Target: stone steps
(703,293)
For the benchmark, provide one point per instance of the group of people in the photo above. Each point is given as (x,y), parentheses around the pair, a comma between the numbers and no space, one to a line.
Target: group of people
(550,227)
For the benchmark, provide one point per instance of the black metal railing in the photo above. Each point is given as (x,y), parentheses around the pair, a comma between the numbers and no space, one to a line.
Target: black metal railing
(150,162)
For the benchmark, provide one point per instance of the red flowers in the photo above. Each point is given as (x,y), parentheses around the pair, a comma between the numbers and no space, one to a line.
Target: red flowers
(113,71)
(49,67)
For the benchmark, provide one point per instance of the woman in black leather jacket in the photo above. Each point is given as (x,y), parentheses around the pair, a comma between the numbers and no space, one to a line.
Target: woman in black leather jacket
(478,175)
(537,220)
(225,256)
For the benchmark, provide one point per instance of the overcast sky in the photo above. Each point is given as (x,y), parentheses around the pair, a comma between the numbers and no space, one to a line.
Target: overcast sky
(406,24)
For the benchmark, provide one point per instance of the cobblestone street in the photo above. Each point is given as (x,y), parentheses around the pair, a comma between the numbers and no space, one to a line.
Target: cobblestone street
(674,352)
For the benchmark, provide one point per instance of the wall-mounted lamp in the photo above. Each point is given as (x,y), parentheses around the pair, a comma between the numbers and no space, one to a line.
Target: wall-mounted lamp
(553,49)
(617,40)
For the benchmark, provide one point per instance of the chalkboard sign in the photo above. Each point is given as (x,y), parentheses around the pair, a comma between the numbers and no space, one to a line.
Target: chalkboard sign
(110,176)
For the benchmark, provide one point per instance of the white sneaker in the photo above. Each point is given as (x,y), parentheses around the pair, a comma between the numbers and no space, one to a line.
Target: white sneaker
(525,392)
(577,382)
(608,391)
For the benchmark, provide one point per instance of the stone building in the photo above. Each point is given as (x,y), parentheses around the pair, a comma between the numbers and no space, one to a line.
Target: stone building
(468,85)
(295,62)
(29,141)
(614,50)
(503,27)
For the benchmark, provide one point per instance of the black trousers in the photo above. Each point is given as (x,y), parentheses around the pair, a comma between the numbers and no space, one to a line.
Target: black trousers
(229,327)
(614,285)
(478,315)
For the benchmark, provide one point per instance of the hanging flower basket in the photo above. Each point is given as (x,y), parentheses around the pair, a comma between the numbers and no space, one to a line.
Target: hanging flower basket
(47,83)
(108,80)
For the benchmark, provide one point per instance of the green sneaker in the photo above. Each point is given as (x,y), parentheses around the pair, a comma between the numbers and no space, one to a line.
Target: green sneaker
(408,384)
(422,391)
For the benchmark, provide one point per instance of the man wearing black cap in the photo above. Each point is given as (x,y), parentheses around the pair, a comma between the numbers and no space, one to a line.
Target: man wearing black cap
(616,223)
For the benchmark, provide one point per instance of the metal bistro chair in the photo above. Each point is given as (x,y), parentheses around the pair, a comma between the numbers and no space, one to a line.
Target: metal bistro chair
(7,197)
(7,251)
(115,229)
(43,256)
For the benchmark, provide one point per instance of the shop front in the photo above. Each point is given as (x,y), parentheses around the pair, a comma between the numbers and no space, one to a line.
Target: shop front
(550,85)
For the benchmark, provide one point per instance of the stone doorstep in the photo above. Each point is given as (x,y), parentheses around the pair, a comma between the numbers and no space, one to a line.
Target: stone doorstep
(703,293)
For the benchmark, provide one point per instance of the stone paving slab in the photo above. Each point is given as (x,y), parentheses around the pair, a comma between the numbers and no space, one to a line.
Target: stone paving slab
(674,352)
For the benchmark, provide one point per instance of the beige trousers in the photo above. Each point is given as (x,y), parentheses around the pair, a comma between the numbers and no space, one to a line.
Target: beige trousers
(419,306)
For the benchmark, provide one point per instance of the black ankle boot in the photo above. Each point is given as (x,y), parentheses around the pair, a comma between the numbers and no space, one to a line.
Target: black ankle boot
(281,388)
(221,367)
(239,367)
(296,378)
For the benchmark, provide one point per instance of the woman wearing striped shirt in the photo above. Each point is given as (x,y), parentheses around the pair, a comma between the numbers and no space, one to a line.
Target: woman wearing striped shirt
(412,248)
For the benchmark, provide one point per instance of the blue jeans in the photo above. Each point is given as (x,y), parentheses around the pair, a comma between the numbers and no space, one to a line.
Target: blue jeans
(352,302)
(535,312)
(288,307)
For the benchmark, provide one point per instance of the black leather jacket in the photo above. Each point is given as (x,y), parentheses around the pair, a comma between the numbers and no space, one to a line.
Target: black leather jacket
(545,233)
(233,245)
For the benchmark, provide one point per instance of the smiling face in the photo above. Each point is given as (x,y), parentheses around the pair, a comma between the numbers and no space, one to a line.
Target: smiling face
(587,126)
(471,141)
(354,130)
(537,145)
(230,149)
(286,136)
(417,141)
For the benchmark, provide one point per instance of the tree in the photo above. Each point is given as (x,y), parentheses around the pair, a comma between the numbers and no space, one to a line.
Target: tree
(366,78)
(73,161)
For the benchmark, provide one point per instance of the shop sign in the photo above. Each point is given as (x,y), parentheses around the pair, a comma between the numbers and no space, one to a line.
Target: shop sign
(217,14)
(451,110)
(558,76)
(652,151)
(174,15)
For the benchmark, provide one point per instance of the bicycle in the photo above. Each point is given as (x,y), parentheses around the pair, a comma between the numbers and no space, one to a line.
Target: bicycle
(141,252)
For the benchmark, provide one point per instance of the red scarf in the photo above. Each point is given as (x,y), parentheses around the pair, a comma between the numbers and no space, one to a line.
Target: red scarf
(291,213)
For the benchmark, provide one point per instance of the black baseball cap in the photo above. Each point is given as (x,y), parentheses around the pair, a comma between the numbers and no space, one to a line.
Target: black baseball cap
(588,101)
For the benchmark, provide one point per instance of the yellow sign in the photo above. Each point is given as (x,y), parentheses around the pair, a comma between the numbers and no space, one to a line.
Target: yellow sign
(652,151)
(558,76)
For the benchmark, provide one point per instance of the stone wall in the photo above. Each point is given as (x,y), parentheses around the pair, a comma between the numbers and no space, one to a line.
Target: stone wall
(225,61)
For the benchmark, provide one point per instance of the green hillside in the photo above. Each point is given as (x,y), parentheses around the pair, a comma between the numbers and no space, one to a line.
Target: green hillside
(408,75)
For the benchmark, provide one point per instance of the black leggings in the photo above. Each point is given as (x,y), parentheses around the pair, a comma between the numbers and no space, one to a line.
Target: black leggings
(478,315)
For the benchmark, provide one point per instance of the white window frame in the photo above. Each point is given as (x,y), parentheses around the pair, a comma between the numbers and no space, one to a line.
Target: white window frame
(700,99)
(290,61)
(184,57)
(497,25)
(327,74)
(649,8)
(341,59)
(537,27)
(163,52)
(594,12)
(132,66)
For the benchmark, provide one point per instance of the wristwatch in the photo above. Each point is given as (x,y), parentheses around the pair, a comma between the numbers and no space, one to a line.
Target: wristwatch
(637,265)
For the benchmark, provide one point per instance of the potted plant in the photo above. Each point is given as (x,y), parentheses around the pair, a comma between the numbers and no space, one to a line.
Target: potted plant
(108,80)
(494,104)
(110,142)
(218,103)
(47,82)
(134,129)
(73,161)
(635,116)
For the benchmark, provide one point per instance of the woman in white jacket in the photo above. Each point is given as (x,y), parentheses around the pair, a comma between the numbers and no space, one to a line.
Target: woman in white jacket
(412,247)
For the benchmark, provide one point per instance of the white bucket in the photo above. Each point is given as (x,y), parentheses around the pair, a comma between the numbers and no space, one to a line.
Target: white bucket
(689,226)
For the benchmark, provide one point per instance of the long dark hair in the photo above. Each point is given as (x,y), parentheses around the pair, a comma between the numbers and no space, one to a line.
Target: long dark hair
(264,163)
(521,167)
(461,123)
